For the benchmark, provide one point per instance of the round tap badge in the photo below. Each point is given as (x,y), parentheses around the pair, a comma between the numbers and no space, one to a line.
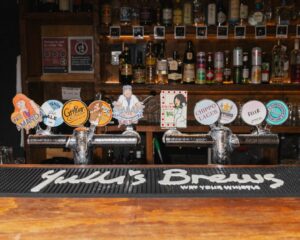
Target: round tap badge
(229,111)
(253,112)
(75,113)
(100,113)
(278,112)
(51,110)
(207,112)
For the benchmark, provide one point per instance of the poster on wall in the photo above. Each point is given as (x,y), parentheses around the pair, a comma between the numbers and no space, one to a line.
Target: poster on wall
(55,54)
(173,106)
(81,54)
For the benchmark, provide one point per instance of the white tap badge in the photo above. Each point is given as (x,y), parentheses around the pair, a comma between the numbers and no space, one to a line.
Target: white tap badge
(207,112)
(173,105)
(278,112)
(229,111)
(51,110)
(253,112)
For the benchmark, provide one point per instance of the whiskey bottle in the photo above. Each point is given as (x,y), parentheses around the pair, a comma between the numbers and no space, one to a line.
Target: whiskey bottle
(244,10)
(139,70)
(174,69)
(126,68)
(150,63)
(295,63)
(167,12)
(199,12)
(279,67)
(210,76)
(221,14)
(234,12)
(161,66)
(125,13)
(187,12)
(189,64)
(177,13)
(211,13)
(227,79)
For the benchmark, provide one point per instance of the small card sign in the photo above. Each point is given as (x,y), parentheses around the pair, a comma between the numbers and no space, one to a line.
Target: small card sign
(138,32)
(115,31)
(173,105)
(55,55)
(159,32)
(298,31)
(69,93)
(179,32)
(201,32)
(260,32)
(222,32)
(240,32)
(81,56)
(281,31)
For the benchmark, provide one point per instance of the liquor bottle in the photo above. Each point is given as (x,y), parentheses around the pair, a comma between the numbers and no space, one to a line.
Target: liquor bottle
(199,12)
(174,69)
(244,10)
(210,76)
(189,64)
(167,12)
(237,65)
(187,12)
(50,6)
(115,12)
(295,63)
(280,64)
(256,66)
(77,6)
(234,12)
(283,13)
(161,66)
(246,71)
(227,79)
(221,14)
(125,13)
(64,5)
(177,13)
(146,13)
(211,13)
(269,12)
(201,68)
(106,13)
(139,70)
(126,68)
(121,59)
(87,5)
(150,63)
(219,66)
(156,13)
(265,69)
(257,17)
(135,12)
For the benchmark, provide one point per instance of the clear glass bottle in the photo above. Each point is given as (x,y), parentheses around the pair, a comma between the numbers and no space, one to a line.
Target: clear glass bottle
(234,12)
(150,64)
(246,70)
(280,64)
(283,13)
(257,17)
(161,66)
(244,11)
(167,12)
(177,13)
(189,64)
(174,69)
(211,13)
(139,70)
(221,13)
(295,63)
(187,12)
(199,12)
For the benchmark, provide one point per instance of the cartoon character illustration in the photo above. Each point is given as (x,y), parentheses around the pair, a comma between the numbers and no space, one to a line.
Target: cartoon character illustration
(128,109)
(180,111)
(100,113)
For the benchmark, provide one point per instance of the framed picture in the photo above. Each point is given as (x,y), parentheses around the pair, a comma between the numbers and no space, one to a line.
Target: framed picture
(282,31)
(298,31)
(179,32)
(138,32)
(159,32)
(222,32)
(240,32)
(201,32)
(115,31)
(260,32)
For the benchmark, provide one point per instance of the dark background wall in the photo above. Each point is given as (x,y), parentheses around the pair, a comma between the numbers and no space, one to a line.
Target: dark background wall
(9,49)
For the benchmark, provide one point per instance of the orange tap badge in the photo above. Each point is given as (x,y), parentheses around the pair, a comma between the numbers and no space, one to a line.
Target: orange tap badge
(100,113)
(75,113)
(27,113)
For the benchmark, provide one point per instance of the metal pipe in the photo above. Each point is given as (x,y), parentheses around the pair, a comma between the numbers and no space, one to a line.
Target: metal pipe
(49,140)
(265,140)
(114,139)
(188,140)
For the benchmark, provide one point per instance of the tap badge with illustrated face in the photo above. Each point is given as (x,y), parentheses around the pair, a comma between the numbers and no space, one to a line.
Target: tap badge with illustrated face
(278,112)
(27,113)
(207,112)
(128,109)
(52,113)
(100,113)
(75,113)
(229,111)
(253,112)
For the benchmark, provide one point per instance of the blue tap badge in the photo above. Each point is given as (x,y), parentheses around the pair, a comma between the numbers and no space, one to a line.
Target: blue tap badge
(52,113)
(278,112)
(128,109)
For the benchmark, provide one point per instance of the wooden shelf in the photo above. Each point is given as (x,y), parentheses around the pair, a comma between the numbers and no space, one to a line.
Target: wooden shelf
(61,18)
(63,78)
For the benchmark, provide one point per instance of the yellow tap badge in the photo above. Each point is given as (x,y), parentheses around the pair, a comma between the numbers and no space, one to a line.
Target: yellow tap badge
(100,113)
(75,113)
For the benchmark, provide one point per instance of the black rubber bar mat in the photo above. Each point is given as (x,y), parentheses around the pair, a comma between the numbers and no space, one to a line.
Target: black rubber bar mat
(277,181)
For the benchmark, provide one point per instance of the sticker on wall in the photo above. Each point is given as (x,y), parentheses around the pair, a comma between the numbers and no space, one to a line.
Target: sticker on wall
(253,112)
(75,113)
(278,112)
(207,112)
(173,105)
(100,113)
(229,111)
(27,113)
(51,111)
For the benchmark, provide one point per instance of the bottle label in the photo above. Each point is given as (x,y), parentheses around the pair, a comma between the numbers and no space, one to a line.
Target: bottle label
(211,15)
(201,75)
(234,10)
(167,15)
(227,73)
(139,75)
(126,69)
(174,76)
(219,75)
(125,14)
(150,61)
(243,11)
(162,66)
(221,17)
(187,13)
(189,73)
(256,74)
(177,18)
(173,65)
(246,73)
(258,17)
(189,56)
(210,75)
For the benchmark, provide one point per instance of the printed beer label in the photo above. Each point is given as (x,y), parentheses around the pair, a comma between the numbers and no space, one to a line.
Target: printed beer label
(278,112)
(254,112)
(100,113)
(207,112)
(51,110)
(229,111)
(75,113)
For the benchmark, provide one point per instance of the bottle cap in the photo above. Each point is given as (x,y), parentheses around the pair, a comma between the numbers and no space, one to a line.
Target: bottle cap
(207,112)
(51,111)
(278,112)
(253,112)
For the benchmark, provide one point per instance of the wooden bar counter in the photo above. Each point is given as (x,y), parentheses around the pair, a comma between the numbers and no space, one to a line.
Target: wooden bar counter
(149,218)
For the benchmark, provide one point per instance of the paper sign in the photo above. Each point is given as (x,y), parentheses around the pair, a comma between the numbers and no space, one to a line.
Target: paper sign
(179,32)
(173,106)
(69,93)
(159,32)
(207,112)
(51,110)
(81,56)
(253,112)
(222,32)
(278,112)
(100,113)
(55,55)
(75,113)
(229,111)
(260,32)
(201,32)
